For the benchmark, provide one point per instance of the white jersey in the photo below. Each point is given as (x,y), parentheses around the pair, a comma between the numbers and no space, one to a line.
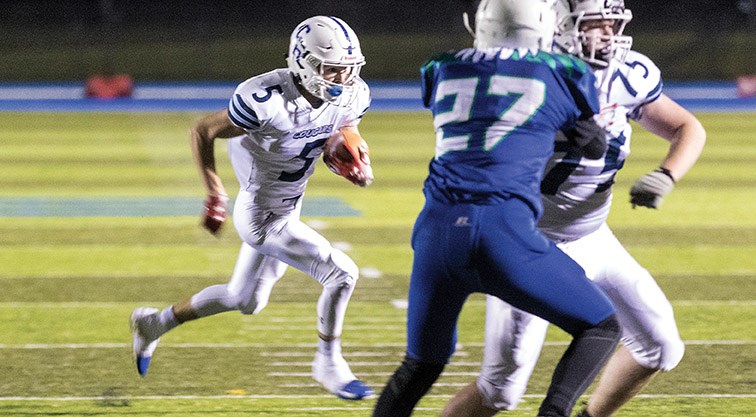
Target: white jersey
(285,135)
(577,191)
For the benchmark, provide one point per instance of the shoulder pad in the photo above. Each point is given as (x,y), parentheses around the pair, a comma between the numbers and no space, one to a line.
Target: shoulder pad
(252,100)
(579,79)
(643,76)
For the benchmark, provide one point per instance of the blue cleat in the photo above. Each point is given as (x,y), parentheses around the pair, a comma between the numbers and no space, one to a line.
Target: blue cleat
(142,323)
(142,363)
(333,373)
(355,390)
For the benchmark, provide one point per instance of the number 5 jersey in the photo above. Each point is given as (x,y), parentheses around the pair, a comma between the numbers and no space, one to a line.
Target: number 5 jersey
(285,135)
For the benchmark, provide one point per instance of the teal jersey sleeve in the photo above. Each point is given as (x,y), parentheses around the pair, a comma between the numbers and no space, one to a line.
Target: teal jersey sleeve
(580,82)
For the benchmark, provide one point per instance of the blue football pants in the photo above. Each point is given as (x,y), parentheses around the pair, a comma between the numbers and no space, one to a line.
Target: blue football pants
(495,249)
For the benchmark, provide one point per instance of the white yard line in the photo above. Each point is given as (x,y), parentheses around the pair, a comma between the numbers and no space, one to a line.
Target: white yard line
(399,302)
(42,346)
(267,397)
(354,363)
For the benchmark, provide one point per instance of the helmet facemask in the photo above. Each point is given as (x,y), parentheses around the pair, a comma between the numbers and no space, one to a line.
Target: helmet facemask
(338,93)
(595,48)
(321,42)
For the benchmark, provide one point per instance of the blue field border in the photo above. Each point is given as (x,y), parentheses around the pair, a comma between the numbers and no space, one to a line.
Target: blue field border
(209,96)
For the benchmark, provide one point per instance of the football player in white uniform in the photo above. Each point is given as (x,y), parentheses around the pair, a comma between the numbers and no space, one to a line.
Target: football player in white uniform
(577,194)
(278,123)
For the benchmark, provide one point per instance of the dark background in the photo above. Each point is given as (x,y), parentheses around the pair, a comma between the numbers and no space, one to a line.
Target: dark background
(383,16)
(204,39)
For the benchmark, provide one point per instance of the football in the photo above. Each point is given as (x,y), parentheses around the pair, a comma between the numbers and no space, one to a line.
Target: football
(346,154)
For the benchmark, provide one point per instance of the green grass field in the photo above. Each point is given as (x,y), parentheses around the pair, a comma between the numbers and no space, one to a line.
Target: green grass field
(68,284)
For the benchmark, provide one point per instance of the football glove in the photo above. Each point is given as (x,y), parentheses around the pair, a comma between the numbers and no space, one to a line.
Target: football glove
(214,213)
(650,189)
(589,137)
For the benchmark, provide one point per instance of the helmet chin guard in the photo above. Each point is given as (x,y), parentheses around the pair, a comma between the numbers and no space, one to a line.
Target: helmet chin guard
(322,41)
(597,50)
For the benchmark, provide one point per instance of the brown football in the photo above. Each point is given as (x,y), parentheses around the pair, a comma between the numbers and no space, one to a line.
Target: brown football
(346,154)
(336,149)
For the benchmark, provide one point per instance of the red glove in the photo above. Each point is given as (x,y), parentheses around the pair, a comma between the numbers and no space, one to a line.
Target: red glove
(214,213)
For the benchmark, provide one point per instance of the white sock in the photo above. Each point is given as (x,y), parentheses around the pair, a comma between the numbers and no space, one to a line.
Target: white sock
(330,348)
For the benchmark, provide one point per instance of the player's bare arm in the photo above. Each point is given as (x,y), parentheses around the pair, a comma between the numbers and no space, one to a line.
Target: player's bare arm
(669,120)
(202,137)
(666,118)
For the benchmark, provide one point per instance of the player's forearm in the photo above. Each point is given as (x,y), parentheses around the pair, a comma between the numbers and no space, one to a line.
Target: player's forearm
(686,146)
(203,152)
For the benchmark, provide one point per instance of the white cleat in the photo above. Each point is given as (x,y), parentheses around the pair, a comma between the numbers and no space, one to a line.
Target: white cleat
(145,333)
(334,374)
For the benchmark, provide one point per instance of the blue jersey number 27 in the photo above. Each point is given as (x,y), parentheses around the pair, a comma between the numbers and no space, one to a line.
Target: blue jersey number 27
(461,99)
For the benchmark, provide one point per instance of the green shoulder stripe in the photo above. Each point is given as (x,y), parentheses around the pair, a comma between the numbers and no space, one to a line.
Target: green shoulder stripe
(570,63)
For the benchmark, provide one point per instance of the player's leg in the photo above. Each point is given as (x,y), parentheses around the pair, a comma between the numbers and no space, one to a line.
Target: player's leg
(285,237)
(431,335)
(513,341)
(248,291)
(436,296)
(468,402)
(544,281)
(651,341)
(623,378)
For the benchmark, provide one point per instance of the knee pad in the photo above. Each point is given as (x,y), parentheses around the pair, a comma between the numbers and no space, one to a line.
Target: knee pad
(671,354)
(503,384)
(254,305)
(664,355)
(343,271)
(499,397)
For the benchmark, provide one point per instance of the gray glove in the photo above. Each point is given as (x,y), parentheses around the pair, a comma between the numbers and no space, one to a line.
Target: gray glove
(650,189)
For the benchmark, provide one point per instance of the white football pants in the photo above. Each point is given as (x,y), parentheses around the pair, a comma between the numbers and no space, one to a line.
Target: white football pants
(271,242)
(514,338)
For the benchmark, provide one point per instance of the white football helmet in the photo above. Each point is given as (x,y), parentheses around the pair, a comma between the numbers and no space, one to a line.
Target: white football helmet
(596,49)
(514,24)
(325,40)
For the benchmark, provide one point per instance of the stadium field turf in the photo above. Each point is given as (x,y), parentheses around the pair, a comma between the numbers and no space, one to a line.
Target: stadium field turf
(78,253)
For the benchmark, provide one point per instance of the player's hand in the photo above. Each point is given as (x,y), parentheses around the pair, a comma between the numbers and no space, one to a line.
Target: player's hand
(589,137)
(214,213)
(360,175)
(346,154)
(650,189)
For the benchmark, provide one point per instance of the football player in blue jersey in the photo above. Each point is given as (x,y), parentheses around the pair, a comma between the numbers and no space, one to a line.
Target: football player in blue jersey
(278,123)
(577,195)
(496,108)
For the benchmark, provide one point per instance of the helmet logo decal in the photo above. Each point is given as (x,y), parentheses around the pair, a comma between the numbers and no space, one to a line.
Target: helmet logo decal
(300,48)
(349,48)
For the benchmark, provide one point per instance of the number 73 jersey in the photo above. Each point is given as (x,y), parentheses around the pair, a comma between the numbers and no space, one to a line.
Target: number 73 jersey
(285,135)
(495,113)
(577,192)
